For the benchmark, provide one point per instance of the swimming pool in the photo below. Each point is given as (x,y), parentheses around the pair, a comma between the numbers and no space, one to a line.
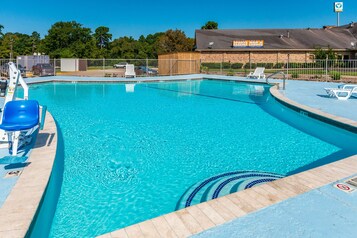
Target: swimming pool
(132,152)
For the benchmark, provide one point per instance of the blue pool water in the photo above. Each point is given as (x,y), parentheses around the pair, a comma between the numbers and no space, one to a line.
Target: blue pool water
(130,154)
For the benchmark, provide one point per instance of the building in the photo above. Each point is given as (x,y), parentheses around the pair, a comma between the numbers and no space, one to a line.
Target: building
(275,45)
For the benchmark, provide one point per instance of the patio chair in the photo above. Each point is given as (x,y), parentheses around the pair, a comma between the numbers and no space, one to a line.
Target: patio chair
(130,71)
(20,120)
(341,93)
(258,73)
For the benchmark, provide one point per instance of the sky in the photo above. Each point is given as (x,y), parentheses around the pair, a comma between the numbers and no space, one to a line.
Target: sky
(135,18)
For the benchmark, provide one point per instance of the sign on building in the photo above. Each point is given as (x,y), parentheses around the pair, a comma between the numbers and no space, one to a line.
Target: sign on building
(248,43)
(338,7)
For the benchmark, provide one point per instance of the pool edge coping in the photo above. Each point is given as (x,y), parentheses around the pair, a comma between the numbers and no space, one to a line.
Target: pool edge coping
(21,205)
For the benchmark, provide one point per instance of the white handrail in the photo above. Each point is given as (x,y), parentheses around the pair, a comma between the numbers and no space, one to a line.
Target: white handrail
(279,72)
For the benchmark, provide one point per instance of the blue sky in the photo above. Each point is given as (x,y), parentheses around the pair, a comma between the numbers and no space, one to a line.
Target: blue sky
(134,18)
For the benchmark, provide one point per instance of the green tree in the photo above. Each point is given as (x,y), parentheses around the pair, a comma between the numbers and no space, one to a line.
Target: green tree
(123,47)
(15,43)
(174,41)
(35,40)
(68,38)
(325,53)
(102,37)
(151,40)
(210,25)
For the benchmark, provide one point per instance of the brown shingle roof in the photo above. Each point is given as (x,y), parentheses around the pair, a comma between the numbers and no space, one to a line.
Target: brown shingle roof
(336,38)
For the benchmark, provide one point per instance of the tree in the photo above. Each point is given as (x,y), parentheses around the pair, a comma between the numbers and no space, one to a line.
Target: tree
(123,47)
(151,40)
(102,37)
(210,25)
(35,39)
(15,44)
(174,41)
(69,38)
(321,54)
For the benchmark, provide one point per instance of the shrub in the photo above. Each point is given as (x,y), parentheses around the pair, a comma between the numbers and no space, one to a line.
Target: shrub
(212,65)
(261,65)
(226,65)
(279,65)
(295,75)
(230,72)
(204,69)
(252,65)
(295,65)
(236,65)
(335,75)
(269,65)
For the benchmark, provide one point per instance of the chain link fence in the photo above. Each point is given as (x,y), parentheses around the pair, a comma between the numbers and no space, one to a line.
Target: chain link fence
(319,70)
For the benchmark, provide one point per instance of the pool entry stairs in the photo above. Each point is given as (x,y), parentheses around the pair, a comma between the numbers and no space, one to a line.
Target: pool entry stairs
(223,184)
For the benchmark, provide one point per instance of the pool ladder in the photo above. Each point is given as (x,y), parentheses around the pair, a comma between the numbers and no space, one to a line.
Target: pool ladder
(276,73)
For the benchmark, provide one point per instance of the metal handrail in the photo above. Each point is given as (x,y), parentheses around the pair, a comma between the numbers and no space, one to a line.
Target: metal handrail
(279,72)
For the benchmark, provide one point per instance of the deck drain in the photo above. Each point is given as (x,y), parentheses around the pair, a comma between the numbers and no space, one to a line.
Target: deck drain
(14,173)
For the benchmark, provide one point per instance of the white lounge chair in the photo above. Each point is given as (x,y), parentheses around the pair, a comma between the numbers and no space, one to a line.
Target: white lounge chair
(258,73)
(130,71)
(343,92)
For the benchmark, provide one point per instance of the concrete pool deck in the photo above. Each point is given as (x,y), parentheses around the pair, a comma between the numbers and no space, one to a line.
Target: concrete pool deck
(21,204)
(322,212)
(312,94)
(204,216)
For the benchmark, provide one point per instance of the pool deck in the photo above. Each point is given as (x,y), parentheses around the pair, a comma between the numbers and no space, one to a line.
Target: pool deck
(20,206)
(326,212)
(314,95)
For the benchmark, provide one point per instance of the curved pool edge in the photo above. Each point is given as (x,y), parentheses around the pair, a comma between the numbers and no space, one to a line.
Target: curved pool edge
(341,122)
(20,207)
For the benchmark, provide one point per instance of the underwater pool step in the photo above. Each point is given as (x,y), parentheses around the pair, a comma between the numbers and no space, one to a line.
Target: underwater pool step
(223,184)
